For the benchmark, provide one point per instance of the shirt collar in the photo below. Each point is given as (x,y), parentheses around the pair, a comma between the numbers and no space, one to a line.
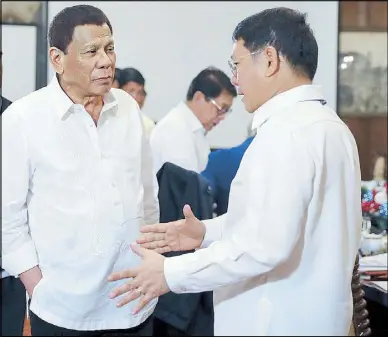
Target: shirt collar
(191,119)
(64,105)
(301,93)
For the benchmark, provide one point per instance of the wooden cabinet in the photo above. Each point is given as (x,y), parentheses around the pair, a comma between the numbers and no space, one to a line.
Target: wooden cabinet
(363,15)
(377,15)
(370,133)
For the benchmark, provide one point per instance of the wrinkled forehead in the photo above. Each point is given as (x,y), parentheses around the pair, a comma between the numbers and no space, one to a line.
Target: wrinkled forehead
(92,35)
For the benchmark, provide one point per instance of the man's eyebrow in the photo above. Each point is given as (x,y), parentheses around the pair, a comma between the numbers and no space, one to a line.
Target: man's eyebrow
(98,44)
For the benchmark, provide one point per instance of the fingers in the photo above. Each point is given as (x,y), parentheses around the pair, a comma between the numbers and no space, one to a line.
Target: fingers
(127,287)
(150,237)
(163,250)
(187,212)
(138,250)
(160,250)
(133,295)
(154,245)
(157,228)
(120,275)
(143,302)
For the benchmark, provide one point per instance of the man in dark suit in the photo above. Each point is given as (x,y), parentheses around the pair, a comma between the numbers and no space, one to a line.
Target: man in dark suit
(13,294)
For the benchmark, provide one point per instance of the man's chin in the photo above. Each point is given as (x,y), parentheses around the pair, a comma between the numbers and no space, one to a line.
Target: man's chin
(101,90)
(250,108)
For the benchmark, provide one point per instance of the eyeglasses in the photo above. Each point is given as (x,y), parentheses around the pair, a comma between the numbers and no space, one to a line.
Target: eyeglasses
(221,111)
(233,64)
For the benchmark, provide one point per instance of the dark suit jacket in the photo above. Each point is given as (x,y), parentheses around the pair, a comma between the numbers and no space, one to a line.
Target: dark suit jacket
(191,313)
(4,104)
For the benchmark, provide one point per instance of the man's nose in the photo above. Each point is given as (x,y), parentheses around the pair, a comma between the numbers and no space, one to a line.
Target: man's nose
(104,61)
(234,80)
(221,117)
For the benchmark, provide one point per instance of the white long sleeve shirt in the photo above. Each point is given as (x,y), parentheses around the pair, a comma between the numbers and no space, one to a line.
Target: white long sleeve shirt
(148,124)
(73,199)
(281,258)
(180,138)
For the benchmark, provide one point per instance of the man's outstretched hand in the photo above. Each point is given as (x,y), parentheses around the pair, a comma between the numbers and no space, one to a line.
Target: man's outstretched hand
(145,282)
(181,235)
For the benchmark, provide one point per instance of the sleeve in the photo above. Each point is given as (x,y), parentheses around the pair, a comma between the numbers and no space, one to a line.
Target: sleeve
(17,250)
(150,183)
(277,198)
(213,230)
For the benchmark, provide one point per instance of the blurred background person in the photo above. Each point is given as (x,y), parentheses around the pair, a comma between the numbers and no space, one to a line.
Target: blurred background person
(220,171)
(13,294)
(180,137)
(116,79)
(4,103)
(133,82)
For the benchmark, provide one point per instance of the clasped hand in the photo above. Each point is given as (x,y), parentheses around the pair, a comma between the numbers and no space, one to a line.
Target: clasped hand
(148,281)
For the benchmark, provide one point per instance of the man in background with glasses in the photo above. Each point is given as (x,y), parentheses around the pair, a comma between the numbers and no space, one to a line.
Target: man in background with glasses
(180,137)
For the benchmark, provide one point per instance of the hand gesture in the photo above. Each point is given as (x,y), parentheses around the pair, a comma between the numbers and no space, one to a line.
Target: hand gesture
(181,235)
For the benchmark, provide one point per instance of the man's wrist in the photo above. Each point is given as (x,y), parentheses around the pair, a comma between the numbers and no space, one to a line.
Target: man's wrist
(31,278)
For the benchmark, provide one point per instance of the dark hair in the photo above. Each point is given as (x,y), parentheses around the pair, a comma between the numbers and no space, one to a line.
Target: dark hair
(131,75)
(117,75)
(287,31)
(211,82)
(62,27)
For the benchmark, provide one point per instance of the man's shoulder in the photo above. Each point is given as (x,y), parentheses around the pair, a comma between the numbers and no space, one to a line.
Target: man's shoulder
(26,105)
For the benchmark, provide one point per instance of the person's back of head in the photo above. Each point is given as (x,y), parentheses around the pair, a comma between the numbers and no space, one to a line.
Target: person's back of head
(274,51)
(116,79)
(133,82)
(210,96)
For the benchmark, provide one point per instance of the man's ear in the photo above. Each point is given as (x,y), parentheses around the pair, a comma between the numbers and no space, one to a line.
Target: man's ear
(199,96)
(272,58)
(57,59)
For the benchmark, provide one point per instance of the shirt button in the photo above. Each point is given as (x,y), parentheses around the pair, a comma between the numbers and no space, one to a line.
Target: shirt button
(116,202)
(184,289)
(113,184)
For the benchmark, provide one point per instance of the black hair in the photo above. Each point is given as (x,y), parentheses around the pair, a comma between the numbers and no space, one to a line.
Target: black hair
(131,75)
(211,82)
(117,75)
(62,27)
(287,31)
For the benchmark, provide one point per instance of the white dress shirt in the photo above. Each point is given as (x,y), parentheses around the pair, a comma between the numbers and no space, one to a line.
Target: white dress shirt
(281,258)
(148,124)
(74,198)
(180,138)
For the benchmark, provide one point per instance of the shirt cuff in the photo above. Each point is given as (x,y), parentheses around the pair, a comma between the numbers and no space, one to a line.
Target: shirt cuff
(21,260)
(175,273)
(213,231)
